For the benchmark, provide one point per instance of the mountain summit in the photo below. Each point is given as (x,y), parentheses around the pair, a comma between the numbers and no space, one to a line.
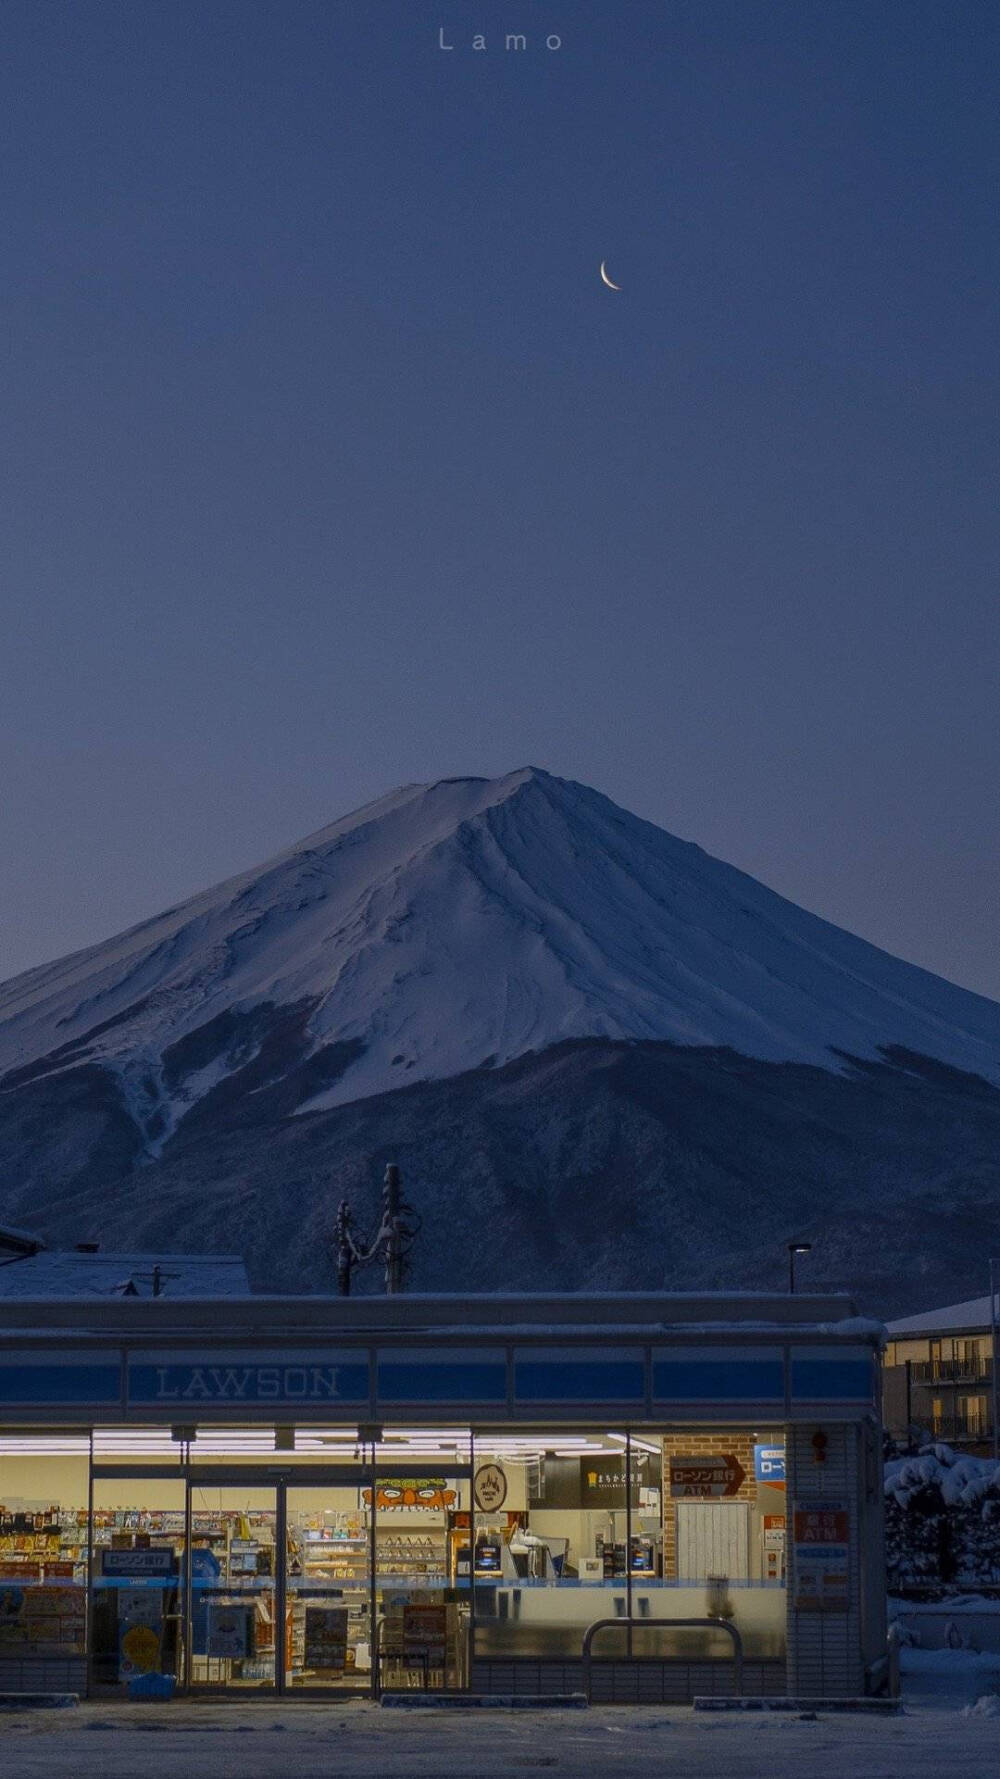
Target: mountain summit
(458,926)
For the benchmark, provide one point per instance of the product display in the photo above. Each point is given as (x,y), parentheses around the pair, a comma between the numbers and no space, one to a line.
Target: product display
(43,1602)
(415,1557)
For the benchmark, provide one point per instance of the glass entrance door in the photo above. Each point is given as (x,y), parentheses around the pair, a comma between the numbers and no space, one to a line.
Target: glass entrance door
(236,1578)
(280,1592)
(235,1593)
(328,1585)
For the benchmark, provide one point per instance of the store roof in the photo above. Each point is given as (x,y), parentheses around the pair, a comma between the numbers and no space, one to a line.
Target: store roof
(639,1315)
(955,1318)
(18,1241)
(76,1273)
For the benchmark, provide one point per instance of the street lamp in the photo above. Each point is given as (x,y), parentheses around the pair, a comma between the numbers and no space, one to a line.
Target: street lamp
(793,1249)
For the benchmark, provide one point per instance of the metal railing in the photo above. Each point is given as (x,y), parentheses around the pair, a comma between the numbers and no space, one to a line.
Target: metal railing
(658,1624)
(955,1428)
(975,1370)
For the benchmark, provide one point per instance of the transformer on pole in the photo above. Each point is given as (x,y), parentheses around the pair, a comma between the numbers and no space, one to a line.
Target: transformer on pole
(392,1243)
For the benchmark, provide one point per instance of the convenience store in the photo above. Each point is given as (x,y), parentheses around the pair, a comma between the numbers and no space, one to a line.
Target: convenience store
(311,1496)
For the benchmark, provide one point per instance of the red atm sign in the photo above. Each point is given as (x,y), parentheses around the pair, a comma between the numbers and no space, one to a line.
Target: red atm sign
(705,1478)
(822,1522)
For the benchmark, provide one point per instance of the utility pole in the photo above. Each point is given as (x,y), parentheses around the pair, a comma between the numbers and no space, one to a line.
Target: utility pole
(347,1254)
(392,1223)
(993,1361)
(995,1357)
(391,1243)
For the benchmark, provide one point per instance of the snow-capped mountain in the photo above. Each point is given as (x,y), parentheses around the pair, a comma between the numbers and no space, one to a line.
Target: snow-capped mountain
(462,924)
(602,1059)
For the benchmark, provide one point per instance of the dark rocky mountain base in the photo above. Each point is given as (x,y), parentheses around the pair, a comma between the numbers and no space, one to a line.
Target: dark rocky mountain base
(593,1165)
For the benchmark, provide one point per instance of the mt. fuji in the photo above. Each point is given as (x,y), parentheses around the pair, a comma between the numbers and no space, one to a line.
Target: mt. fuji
(433,949)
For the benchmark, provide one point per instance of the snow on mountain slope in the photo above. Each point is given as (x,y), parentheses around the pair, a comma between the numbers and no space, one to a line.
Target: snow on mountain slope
(464,923)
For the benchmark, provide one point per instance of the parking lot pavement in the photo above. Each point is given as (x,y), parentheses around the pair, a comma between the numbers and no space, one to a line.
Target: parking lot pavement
(330,1741)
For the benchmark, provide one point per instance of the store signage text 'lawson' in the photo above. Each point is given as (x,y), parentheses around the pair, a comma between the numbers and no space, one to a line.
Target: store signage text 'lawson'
(251,1383)
(161,1378)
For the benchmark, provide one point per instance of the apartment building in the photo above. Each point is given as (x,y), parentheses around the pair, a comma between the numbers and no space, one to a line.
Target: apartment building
(938,1375)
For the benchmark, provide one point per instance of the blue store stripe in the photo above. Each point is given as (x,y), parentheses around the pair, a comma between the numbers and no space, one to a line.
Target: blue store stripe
(29,1384)
(833,1380)
(461,1381)
(578,1380)
(718,1380)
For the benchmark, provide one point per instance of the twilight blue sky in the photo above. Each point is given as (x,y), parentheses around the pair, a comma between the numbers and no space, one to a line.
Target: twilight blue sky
(329,463)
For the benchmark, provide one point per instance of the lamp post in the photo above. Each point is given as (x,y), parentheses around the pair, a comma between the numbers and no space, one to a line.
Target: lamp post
(793,1249)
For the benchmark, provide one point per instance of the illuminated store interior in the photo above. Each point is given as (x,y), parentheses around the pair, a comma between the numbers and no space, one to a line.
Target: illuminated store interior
(333,1557)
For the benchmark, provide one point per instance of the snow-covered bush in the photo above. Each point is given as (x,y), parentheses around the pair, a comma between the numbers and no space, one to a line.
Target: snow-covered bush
(942,1514)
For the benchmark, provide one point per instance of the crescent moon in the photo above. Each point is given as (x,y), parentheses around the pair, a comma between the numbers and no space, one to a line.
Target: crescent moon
(607,280)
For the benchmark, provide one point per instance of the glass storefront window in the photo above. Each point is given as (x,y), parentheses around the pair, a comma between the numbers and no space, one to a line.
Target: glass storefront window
(421,1583)
(555,1534)
(43,1559)
(206,1558)
(137,1584)
(563,1539)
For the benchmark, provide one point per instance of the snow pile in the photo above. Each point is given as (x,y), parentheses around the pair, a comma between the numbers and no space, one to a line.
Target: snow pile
(963,1481)
(988,1705)
(463,924)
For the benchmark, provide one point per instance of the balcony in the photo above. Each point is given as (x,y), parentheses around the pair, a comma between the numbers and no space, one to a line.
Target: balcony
(956,1429)
(951,1371)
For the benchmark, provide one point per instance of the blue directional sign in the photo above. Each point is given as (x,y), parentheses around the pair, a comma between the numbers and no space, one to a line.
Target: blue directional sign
(769,1465)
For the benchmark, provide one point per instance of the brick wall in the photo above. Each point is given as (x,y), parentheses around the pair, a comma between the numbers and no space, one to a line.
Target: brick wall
(698,1444)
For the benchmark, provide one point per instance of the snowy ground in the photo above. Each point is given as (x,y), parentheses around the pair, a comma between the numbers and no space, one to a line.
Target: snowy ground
(941,1730)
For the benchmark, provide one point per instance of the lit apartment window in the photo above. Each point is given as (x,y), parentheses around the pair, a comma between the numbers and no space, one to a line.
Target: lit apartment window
(972,1415)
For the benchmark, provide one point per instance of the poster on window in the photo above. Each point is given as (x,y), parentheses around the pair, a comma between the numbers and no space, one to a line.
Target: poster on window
(821,1533)
(140,1631)
(326,1637)
(230,1631)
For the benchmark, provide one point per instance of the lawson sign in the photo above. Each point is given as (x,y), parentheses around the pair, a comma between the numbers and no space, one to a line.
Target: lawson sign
(229,1379)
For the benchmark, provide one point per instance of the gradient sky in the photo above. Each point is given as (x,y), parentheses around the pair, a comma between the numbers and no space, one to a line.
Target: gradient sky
(329,463)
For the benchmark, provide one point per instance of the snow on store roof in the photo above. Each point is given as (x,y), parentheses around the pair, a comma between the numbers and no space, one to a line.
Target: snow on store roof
(69,1273)
(955,1318)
